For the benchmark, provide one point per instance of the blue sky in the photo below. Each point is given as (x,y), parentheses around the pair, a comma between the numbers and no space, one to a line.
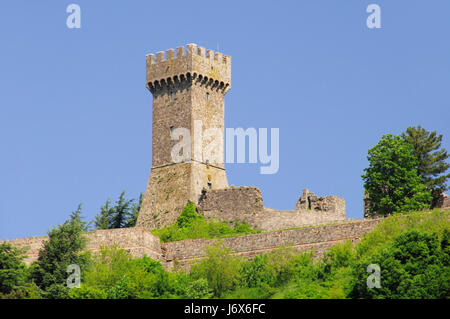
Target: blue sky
(75,116)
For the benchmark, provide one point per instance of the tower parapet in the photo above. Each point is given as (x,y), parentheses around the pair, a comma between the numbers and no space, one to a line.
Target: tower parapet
(195,63)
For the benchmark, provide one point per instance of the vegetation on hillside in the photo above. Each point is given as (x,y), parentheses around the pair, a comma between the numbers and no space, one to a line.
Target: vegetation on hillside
(412,251)
(191,225)
(406,172)
(431,165)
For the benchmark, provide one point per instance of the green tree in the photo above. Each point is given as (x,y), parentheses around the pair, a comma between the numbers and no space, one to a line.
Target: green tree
(220,269)
(123,213)
(13,272)
(102,220)
(76,217)
(431,164)
(391,181)
(63,248)
(135,208)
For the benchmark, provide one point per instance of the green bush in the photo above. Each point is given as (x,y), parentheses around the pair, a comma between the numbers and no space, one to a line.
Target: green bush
(436,222)
(113,274)
(191,225)
(220,269)
(198,289)
(188,215)
(414,266)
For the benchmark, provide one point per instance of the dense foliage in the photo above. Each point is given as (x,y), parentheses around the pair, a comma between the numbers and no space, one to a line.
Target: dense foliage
(64,247)
(13,273)
(123,213)
(431,165)
(412,251)
(190,225)
(391,180)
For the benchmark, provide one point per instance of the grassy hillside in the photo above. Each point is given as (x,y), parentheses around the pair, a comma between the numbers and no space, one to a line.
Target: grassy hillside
(411,250)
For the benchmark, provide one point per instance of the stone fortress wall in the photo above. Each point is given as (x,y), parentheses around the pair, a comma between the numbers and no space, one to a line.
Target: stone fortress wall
(139,242)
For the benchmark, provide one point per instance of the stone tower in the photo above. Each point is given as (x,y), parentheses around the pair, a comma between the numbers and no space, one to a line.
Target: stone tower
(188,92)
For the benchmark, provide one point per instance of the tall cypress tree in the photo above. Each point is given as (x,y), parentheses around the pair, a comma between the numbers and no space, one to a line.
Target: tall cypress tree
(431,159)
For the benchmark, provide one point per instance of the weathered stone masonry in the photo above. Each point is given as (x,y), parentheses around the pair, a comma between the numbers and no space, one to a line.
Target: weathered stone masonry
(246,204)
(139,242)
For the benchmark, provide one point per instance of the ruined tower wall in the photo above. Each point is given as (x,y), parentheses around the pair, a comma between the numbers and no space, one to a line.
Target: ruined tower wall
(245,203)
(241,203)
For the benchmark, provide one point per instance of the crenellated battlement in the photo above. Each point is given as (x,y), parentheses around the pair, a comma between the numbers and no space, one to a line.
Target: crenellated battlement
(206,67)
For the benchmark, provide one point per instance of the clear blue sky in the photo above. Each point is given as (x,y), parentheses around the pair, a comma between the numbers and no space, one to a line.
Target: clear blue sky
(75,116)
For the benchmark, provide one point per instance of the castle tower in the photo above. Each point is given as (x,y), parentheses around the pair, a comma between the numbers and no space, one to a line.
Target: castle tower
(188,92)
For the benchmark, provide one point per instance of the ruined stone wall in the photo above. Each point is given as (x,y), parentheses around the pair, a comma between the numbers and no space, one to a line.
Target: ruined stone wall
(137,241)
(271,219)
(319,238)
(331,204)
(32,246)
(444,201)
(245,203)
(241,203)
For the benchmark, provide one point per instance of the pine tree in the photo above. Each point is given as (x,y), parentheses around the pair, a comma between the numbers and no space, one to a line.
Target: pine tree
(76,217)
(121,212)
(102,220)
(124,213)
(13,272)
(431,159)
(131,222)
(63,248)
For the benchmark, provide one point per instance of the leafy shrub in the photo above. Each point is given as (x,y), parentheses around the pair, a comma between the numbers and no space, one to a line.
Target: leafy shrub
(191,225)
(413,266)
(198,289)
(220,269)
